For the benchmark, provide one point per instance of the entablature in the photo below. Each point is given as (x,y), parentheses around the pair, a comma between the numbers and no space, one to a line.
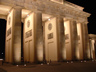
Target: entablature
(49,7)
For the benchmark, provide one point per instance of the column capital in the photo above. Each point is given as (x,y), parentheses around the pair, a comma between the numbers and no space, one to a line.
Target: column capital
(59,16)
(17,7)
(67,18)
(84,23)
(37,11)
(70,19)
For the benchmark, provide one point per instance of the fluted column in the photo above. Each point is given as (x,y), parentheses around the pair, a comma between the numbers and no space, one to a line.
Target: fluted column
(81,50)
(38,36)
(86,41)
(73,36)
(60,36)
(93,49)
(43,41)
(16,35)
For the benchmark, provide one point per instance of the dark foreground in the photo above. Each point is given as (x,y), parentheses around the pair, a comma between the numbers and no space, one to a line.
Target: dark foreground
(89,66)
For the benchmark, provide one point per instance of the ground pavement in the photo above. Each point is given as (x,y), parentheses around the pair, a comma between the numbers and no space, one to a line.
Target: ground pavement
(81,66)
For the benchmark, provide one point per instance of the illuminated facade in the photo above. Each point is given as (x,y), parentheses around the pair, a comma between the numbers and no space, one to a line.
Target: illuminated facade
(92,45)
(54,30)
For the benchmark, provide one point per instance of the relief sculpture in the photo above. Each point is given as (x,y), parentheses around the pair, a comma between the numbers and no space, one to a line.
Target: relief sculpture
(8,31)
(28,34)
(50,36)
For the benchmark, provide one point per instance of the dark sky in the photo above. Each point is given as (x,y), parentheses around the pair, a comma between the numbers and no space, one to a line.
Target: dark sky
(90,7)
(2,37)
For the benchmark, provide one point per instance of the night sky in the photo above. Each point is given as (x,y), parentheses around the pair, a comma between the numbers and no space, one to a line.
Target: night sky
(90,7)
(2,37)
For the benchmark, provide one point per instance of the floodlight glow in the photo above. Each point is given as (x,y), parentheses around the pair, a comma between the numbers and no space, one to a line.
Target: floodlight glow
(49,19)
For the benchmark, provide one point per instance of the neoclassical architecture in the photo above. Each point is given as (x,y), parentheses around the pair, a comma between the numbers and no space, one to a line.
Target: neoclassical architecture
(53,30)
(92,44)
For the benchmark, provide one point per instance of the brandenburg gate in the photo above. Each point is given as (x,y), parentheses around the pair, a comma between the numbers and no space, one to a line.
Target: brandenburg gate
(53,30)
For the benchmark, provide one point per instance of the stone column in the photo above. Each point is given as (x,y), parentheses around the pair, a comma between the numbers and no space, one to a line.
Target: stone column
(60,36)
(86,40)
(82,43)
(73,34)
(38,36)
(93,48)
(16,35)
(44,42)
(90,44)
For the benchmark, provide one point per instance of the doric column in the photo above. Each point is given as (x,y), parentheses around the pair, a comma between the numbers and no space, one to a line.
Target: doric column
(73,37)
(16,35)
(93,49)
(60,36)
(81,49)
(38,36)
(44,41)
(86,41)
